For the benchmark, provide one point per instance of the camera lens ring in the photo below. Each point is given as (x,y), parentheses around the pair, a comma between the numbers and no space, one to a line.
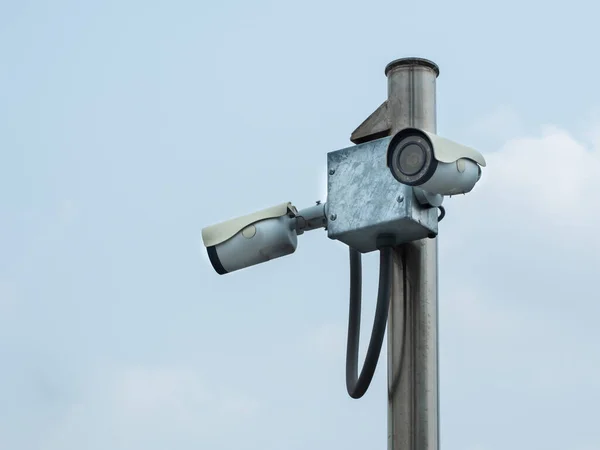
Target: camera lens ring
(410,158)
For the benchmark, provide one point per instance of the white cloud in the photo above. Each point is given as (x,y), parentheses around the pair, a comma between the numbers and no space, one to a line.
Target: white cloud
(553,174)
(537,187)
(518,265)
(535,206)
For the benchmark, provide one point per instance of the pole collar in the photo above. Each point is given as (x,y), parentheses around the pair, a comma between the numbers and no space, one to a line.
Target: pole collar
(412,62)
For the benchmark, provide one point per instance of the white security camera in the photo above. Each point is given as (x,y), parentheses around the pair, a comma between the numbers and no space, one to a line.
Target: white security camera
(252,239)
(434,164)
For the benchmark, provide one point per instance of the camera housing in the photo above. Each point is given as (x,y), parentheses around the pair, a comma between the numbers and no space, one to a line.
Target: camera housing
(393,185)
(365,201)
(252,239)
(437,165)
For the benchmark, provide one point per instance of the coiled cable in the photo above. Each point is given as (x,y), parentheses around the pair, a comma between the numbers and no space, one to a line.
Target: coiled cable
(356,384)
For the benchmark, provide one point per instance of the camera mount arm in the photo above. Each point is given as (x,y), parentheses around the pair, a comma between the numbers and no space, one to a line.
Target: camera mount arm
(311,218)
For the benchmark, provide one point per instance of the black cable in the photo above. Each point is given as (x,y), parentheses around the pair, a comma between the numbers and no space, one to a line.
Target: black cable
(442,213)
(355,384)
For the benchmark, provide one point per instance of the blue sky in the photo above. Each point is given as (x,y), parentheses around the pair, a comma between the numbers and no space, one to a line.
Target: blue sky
(126,127)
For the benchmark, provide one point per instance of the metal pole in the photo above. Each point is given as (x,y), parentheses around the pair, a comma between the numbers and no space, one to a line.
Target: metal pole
(413,401)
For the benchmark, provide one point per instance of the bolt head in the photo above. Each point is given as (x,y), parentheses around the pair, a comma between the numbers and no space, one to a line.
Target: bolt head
(400,198)
(333,217)
(332,171)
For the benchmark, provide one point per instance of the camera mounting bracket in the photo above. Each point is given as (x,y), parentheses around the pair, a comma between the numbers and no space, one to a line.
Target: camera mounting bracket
(364,200)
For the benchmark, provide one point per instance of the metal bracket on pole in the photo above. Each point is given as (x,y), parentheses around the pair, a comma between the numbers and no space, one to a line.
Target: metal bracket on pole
(376,126)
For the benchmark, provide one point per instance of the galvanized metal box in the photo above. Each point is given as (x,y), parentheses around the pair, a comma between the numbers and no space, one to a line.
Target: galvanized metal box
(364,200)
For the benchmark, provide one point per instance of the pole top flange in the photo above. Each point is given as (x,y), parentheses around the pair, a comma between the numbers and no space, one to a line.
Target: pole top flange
(412,62)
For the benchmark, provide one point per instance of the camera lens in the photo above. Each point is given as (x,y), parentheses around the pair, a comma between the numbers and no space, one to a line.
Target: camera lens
(411,159)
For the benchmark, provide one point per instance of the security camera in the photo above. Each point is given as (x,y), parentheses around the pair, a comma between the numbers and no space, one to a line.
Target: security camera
(435,164)
(252,239)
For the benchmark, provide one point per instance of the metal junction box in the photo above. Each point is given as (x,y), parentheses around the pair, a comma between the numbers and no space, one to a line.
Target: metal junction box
(364,200)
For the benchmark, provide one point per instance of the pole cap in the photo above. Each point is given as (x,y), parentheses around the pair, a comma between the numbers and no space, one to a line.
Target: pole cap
(412,62)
